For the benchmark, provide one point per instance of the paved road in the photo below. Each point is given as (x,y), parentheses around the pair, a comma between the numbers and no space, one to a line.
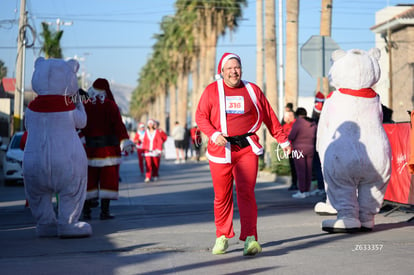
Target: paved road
(166,227)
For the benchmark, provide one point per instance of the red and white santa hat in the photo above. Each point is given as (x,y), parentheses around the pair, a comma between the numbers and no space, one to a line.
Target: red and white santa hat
(319,100)
(226,57)
(150,122)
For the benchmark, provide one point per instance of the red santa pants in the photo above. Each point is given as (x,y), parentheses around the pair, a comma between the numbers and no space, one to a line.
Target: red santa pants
(140,153)
(243,170)
(103,182)
(152,165)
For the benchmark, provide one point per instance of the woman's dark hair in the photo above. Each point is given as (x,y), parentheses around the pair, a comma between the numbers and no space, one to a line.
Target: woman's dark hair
(301,112)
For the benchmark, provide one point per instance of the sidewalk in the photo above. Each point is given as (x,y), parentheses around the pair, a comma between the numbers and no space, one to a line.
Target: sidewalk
(167,227)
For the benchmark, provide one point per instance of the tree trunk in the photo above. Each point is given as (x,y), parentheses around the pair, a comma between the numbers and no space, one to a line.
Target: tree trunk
(270,66)
(326,22)
(162,111)
(173,105)
(260,55)
(182,99)
(195,93)
(292,70)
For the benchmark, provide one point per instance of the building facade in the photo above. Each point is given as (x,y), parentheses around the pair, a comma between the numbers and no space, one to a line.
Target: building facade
(394,31)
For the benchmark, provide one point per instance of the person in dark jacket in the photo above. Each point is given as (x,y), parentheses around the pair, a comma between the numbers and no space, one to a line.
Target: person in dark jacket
(302,136)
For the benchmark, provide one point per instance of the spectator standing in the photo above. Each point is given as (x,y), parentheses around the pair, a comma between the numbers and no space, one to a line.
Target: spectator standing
(317,167)
(178,134)
(187,142)
(196,141)
(288,108)
(229,112)
(288,120)
(302,136)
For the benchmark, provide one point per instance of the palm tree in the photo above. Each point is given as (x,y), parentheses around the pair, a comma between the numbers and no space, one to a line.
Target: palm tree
(51,42)
(212,19)
(189,41)
(292,66)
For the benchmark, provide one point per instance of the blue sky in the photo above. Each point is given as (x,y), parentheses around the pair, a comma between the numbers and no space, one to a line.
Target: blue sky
(114,38)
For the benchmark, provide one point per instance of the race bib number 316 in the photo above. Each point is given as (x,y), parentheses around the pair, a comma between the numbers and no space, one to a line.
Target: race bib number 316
(234,104)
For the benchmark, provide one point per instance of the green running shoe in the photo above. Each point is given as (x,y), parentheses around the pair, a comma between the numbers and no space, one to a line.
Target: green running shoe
(251,246)
(221,245)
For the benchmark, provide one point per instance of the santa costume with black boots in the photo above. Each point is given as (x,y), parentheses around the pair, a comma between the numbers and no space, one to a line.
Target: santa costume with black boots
(54,159)
(353,146)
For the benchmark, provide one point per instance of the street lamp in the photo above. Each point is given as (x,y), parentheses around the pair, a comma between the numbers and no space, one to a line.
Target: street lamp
(59,22)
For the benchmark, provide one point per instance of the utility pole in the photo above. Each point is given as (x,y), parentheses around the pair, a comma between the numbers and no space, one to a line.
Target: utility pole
(325,30)
(260,56)
(20,67)
(292,49)
(281,63)
(389,50)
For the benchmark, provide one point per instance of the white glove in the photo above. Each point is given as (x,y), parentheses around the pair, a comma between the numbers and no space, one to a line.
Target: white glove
(127,146)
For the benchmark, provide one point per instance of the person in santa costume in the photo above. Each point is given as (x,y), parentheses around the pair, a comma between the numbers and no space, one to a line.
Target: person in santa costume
(153,141)
(229,113)
(105,136)
(138,140)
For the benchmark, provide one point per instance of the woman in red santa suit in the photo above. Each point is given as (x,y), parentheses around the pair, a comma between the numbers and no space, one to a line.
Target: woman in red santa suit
(138,140)
(229,112)
(154,139)
(105,136)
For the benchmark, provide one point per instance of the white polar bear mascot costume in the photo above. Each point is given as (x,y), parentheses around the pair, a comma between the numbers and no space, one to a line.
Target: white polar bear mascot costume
(54,159)
(353,146)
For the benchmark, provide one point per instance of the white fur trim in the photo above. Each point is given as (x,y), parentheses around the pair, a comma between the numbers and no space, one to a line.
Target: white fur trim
(214,136)
(254,99)
(285,144)
(104,162)
(226,58)
(226,159)
(255,148)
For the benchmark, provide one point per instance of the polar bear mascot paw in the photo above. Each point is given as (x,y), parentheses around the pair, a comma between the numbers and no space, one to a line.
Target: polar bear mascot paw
(324,209)
(341,225)
(75,230)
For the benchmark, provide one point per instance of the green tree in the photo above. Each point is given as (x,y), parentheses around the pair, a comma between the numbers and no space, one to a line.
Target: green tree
(3,70)
(51,42)
(186,46)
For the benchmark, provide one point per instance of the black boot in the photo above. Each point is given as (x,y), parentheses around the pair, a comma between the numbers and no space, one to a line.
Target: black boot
(87,210)
(105,210)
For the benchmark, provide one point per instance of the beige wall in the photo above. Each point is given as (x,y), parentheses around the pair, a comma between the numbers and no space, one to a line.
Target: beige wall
(402,73)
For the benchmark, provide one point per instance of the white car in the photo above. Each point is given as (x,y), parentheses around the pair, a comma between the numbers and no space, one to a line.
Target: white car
(12,160)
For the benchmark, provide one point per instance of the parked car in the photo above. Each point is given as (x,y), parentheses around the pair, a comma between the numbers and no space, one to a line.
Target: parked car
(12,160)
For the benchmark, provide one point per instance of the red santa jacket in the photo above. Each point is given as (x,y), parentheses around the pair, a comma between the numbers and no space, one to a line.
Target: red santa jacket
(139,138)
(235,111)
(103,133)
(153,142)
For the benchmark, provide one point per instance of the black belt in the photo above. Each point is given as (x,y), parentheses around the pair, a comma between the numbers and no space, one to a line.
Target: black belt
(241,141)
(102,141)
